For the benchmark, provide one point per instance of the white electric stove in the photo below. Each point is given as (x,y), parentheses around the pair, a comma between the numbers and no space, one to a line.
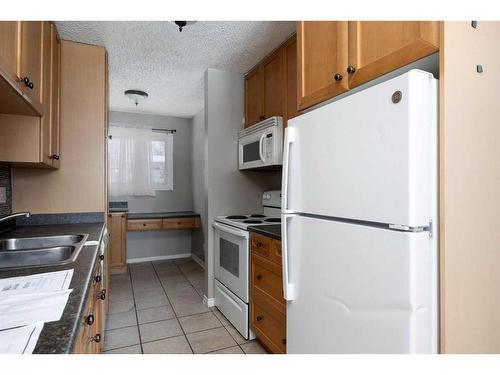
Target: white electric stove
(232,259)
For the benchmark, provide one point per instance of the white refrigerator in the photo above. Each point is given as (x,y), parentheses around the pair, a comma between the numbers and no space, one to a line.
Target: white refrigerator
(359,222)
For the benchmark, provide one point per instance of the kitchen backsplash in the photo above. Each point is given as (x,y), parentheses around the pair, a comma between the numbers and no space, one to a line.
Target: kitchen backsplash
(5,182)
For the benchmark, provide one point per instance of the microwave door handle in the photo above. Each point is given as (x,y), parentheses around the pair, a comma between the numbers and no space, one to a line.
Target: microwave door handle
(261,144)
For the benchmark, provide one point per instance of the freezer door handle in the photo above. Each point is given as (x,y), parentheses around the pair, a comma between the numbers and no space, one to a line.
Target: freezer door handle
(289,139)
(288,290)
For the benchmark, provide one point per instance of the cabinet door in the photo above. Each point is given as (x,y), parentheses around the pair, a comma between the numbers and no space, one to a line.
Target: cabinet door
(378,47)
(9,44)
(254,111)
(30,63)
(117,238)
(55,47)
(45,120)
(291,77)
(321,61)
(274,78)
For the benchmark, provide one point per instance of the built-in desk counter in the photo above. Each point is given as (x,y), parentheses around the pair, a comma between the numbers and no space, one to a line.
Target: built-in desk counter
(162,221)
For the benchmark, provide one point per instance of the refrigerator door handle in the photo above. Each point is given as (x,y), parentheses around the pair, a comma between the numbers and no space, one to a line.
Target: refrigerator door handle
(288,290)
(289,139)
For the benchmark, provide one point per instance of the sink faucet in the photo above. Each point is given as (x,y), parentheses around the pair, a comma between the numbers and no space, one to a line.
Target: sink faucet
(12,216)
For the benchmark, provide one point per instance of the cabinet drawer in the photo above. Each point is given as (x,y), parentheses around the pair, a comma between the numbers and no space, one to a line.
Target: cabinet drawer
(146,224)
(267,247)
(180,223)
(269,329)
(261,245)
(266,276)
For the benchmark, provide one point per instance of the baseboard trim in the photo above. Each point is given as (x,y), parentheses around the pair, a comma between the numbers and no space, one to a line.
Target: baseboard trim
(209,302)
(162,257)
(198,260)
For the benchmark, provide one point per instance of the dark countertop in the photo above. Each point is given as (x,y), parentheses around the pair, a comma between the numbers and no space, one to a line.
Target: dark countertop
(160,215)
(272,230)
(59,337)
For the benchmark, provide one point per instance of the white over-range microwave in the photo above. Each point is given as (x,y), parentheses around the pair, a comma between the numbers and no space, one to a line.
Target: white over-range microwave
(260,146)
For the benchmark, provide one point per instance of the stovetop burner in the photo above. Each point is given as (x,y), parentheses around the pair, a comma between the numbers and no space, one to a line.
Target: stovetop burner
(236,217)
(273,220)
(252,221)
(257,215)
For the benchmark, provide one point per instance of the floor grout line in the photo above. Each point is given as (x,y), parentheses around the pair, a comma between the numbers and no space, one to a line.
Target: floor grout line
(136,316)
(178,322)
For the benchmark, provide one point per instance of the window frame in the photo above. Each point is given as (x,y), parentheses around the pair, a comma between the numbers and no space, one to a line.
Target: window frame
(169,170)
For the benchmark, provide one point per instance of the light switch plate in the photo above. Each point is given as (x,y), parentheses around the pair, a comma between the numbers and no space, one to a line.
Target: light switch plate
(3,195)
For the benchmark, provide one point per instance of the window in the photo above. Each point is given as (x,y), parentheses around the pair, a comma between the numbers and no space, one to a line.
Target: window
(140,161)
(161,161)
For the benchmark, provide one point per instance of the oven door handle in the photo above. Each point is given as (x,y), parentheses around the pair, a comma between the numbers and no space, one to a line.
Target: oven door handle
(228,229)
(261,152)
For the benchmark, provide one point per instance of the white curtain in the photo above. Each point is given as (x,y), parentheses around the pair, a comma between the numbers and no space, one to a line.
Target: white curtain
(130,161)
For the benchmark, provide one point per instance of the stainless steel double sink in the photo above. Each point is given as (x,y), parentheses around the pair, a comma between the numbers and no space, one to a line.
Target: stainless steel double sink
(40,251)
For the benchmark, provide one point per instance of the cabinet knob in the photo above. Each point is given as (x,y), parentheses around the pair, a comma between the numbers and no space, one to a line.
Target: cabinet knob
(283,341)
(26,81)
(259,277)
(351,69)
(259,318)
(261,117)
(96,338)
(338,77)
(101,257)
(30,85)
(90,319)
(55,157)
(143,224)
(97,278)
(258,244)
(102,295)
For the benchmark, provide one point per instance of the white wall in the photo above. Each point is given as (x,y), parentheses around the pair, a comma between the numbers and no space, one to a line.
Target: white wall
(162,243)
(199,178)
(229,190)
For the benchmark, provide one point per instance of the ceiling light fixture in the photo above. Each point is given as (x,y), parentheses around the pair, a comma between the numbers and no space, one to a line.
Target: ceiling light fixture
(182,24)
(136,96)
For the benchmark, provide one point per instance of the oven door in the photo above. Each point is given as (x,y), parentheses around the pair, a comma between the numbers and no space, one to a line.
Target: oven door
(232,258)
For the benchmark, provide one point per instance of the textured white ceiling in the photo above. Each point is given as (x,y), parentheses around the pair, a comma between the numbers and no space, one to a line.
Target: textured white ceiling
(155,57)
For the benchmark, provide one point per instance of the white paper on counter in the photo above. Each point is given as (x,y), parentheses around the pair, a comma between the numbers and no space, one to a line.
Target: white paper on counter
(24,309)
(42,282)
(20,340)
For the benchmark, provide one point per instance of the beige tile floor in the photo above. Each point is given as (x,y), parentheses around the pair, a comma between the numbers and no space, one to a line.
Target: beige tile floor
(157,307)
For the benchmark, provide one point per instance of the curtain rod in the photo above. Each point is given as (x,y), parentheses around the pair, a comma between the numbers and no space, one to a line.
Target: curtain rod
(164,130)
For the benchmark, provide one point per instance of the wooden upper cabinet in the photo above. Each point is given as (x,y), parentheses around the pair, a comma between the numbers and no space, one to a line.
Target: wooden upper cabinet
(274,79)
(291,77)
(9,44)
(378,47)
(322,56)
(254,111)
(30,65)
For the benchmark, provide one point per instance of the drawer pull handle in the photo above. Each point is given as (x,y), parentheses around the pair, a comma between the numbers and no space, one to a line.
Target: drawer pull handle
(178,223)
(259,318)
(259,277)
(90,319)
(143,224)
(96,338)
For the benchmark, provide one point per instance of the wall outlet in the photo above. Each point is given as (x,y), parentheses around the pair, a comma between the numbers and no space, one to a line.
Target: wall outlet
(3,195)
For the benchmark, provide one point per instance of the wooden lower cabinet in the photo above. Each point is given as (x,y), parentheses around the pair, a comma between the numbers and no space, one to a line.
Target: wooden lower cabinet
(267,306)
(90,337)
(117,245)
